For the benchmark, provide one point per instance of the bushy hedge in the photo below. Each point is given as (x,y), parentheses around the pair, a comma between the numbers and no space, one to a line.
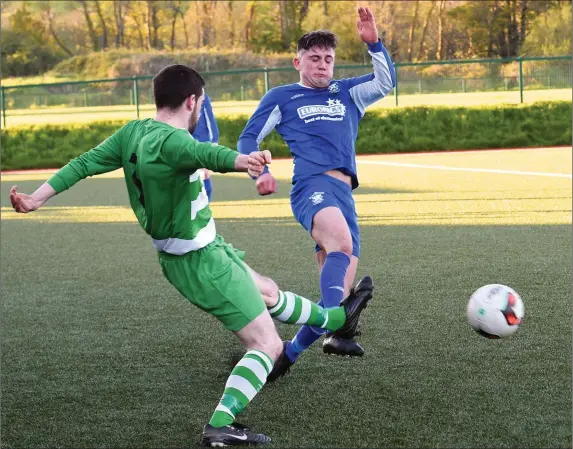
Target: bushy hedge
(382,131)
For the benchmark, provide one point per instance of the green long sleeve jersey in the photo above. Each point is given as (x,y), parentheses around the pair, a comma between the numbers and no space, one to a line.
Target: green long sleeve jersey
(160,165)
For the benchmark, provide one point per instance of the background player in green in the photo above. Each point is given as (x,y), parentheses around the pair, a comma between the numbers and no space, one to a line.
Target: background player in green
(161,163)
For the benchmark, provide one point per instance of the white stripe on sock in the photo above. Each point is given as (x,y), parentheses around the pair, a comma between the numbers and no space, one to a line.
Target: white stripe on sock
(287,312)
(256,367)
(224,409)
(243,385)
(305,312)
(278,304)
(325,322)
(268,362)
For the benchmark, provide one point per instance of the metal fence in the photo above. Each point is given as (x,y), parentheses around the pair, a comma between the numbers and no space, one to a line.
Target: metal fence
(438,77)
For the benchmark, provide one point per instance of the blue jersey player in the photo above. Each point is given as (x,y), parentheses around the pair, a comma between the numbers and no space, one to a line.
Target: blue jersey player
(318,119)
(207,131)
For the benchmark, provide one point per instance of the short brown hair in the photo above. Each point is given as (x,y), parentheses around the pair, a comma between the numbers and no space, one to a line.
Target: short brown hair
(320,38)
(174,83)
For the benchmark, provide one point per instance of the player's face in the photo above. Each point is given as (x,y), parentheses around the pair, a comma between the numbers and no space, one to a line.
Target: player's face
(316,67)
(195,113)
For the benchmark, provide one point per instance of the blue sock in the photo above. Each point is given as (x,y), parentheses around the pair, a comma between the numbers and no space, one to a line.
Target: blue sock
(332,275)
(208,187)
(332,278)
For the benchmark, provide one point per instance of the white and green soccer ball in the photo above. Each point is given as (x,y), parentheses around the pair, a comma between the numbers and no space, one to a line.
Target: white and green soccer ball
(495,311)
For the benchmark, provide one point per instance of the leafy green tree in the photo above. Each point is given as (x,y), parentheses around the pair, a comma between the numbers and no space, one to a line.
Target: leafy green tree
(550,33)
(26,46)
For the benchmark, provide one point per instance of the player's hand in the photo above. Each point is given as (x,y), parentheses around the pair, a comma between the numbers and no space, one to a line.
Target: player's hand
(266,184)
(366,26)
(22,202)
(257,162)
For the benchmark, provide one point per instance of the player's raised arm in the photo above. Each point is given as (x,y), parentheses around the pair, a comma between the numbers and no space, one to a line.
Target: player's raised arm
(367,89)
(265,118)
(103,158)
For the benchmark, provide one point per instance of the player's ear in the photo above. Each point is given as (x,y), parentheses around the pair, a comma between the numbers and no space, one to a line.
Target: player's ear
(296,63)
(190,102)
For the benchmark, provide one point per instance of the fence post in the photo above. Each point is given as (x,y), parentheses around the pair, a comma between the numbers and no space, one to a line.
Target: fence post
(267,81)
(136,95)
(520,80)
(3,94)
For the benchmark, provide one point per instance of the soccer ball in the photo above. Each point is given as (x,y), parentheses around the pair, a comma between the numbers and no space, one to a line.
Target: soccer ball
(495,311)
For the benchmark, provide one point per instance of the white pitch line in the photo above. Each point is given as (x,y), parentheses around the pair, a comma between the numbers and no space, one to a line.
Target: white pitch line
(480,170)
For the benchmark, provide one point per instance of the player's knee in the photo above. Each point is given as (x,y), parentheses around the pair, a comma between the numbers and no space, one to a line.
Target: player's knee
(346,246)
(271,345)
(274,347)
(341,245)
(269,288)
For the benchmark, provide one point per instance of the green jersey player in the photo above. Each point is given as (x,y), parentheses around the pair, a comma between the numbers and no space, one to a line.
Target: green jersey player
(161,163)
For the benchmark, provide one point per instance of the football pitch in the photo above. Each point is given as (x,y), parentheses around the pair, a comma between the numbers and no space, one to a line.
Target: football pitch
(98,350)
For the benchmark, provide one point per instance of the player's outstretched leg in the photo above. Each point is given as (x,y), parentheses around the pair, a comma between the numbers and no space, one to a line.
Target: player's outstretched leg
(246,380)
(352,306)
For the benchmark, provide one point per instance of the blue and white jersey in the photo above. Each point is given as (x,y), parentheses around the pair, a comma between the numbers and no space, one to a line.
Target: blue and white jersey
(207,129)
(320,126)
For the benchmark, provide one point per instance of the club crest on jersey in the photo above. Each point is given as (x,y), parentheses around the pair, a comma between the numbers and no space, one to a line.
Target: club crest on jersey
(316,198)
(334,88)
(333,111)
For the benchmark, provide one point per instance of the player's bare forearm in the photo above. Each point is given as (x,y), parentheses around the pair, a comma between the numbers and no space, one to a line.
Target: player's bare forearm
(24,203)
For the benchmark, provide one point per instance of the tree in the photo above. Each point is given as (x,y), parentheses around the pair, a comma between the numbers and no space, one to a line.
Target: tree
(26,47)
(412,30)
(425,30)
(550,33)
(50,14)
(89,23)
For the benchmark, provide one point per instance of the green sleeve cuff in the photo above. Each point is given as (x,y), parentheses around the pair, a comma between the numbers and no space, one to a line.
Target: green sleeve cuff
(57,183)
(229,161)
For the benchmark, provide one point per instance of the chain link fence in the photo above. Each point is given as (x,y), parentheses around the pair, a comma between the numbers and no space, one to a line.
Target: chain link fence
(128,97)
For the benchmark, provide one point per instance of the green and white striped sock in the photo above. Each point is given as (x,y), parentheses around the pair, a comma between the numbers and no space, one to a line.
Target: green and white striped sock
(245,381)
(294,309)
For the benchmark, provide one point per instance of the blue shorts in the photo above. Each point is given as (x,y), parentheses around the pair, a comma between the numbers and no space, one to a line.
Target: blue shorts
(310,195)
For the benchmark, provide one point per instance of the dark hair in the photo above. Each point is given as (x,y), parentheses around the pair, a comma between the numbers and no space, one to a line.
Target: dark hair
(174,83)
(320,38)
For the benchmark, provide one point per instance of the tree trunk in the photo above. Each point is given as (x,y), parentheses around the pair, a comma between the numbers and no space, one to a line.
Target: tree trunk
(50,16)
(119,14)
(231,23)
(440,49)
(303,11)
(412,31)
(174,23)
(514,30)
(184,29)
(249,25)
(148,21)
(89,23)
(152,24)
(103,25)
(424,30)
(491,20)
(206,24)
(523,22)
(325,7)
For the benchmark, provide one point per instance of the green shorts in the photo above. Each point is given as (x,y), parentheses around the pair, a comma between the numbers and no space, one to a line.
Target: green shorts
(216,280)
